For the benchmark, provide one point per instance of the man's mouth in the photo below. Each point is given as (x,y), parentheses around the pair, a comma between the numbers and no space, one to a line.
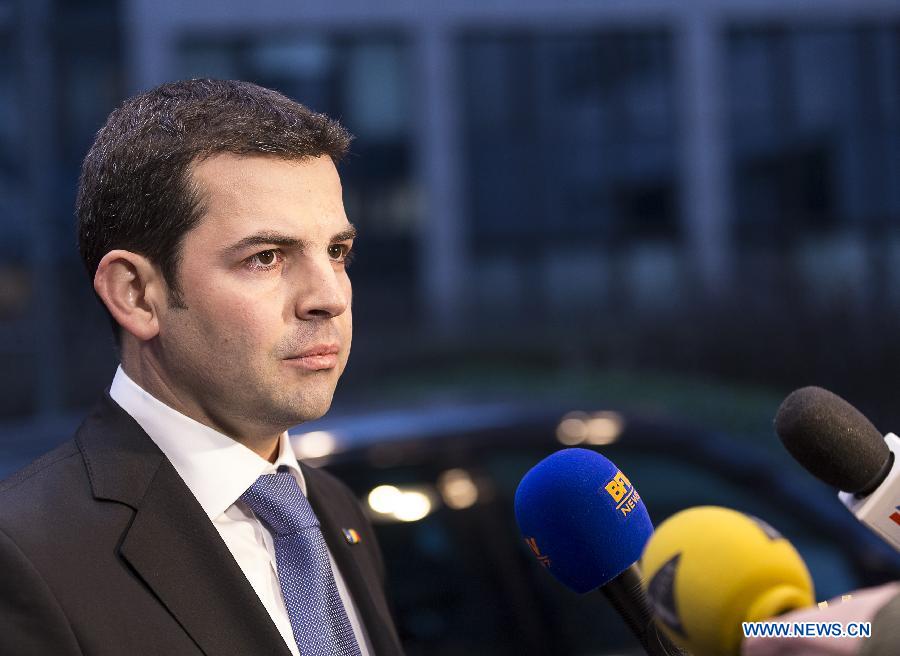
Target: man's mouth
(315,358)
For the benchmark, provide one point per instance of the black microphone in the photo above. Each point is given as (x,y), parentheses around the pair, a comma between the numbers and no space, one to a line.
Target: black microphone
(839,446)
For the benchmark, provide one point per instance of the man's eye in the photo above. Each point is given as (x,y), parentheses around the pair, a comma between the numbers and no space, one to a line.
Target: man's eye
(267,259)
(340,253)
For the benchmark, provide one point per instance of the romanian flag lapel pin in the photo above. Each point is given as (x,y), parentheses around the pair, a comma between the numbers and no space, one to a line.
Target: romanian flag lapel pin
(351,535)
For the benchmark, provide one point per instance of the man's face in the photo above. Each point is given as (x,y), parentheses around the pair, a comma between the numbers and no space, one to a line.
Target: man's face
(266,330)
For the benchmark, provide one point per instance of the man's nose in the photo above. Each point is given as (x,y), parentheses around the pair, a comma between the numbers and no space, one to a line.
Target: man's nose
(322,290)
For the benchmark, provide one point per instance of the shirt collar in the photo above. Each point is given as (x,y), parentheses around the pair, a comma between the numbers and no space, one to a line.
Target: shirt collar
(216,468)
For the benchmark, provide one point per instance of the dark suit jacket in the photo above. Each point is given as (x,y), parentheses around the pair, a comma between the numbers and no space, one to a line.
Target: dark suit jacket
(104,550)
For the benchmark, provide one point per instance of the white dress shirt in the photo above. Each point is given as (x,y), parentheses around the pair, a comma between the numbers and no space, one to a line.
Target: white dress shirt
(218,470)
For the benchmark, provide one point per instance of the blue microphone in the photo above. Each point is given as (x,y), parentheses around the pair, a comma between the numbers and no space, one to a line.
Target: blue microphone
(585,523)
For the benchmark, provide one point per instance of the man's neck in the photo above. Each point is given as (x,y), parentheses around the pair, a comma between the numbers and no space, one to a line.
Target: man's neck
(149,378)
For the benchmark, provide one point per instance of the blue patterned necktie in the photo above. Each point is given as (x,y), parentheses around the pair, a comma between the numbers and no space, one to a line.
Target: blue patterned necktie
(318,617)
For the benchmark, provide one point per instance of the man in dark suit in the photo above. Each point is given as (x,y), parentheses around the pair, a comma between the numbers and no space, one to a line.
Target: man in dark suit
(178,520)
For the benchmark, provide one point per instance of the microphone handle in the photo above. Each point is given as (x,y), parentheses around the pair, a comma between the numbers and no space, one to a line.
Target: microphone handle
(626,594)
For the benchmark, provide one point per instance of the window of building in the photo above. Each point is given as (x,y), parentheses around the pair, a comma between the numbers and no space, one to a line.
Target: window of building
(814,130)
(570,135)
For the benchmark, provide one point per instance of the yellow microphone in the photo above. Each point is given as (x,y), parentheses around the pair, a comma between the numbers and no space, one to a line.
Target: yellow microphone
(708,569)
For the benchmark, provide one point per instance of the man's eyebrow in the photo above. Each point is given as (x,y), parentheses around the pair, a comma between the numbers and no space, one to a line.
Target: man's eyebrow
(349,233)
(283,240)
(265,238)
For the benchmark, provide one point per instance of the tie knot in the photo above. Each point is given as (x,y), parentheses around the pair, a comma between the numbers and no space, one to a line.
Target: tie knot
(279,502)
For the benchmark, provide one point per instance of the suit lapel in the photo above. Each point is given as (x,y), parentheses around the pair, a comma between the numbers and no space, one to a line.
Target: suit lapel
(171,544)
(359,574)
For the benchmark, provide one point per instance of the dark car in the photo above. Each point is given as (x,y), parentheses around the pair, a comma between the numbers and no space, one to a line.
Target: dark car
(439,484)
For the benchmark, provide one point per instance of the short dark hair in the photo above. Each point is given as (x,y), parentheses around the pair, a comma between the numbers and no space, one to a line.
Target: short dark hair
(135,190)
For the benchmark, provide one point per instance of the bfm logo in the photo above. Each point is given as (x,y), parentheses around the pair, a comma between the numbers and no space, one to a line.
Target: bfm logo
(623,493)
(542,558)
(896,516)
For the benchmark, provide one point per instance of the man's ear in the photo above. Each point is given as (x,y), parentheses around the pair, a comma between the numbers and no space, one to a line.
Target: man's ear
(133,291)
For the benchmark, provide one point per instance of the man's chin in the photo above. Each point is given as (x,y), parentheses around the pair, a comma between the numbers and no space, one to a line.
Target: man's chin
(311,409)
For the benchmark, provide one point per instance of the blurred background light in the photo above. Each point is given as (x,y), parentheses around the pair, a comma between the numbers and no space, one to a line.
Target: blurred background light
(315,444)
(391,503)
(412,506)
(603,427)
(572,429)
(596,428)
(457,488)
(384,498)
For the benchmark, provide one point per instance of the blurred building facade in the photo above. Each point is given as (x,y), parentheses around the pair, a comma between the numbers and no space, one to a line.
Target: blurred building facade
(568,172)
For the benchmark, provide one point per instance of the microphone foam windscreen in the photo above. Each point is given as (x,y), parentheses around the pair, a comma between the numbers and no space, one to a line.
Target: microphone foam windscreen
(582,518)
(708,569)
(831,439)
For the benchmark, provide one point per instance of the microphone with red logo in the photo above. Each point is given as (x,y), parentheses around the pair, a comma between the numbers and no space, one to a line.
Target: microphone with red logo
(586,524)
(839,446)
